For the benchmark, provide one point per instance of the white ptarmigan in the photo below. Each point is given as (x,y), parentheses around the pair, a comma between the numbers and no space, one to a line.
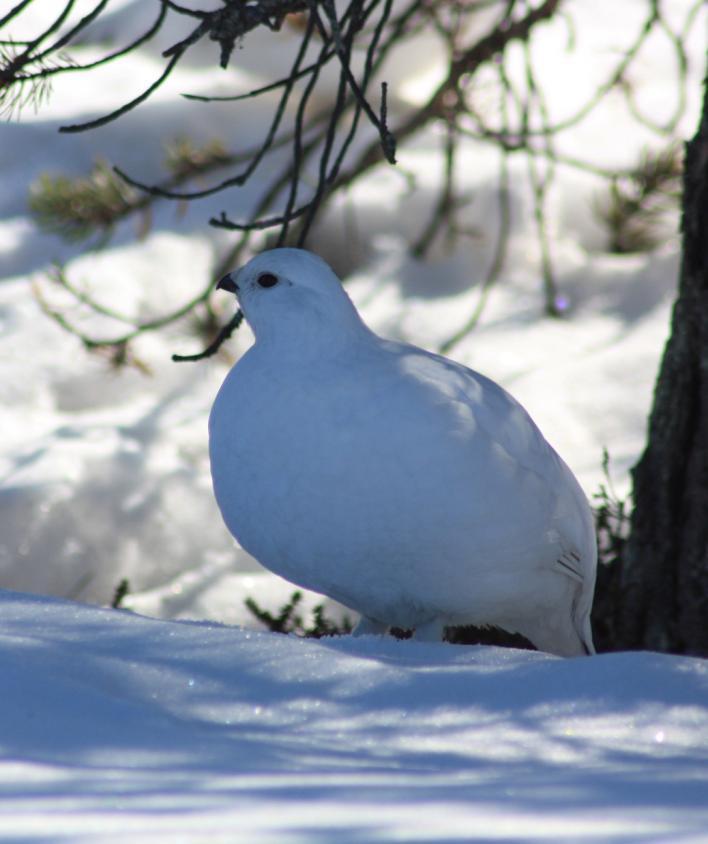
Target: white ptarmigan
(404,485)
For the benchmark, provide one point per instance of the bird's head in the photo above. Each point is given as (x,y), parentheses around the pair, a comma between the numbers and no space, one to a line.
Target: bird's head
(292,296)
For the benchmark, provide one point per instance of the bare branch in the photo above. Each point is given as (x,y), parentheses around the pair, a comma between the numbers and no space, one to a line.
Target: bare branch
(229,24)
(101,121)
(14,12)
(224,334)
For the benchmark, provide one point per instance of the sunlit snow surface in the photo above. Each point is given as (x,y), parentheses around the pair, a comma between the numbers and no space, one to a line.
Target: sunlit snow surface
(116,726)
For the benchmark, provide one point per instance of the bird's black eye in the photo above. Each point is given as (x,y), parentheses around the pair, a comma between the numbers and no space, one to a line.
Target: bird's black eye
(267,280)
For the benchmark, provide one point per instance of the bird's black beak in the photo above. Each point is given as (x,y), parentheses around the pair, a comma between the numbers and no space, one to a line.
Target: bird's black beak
(227,283)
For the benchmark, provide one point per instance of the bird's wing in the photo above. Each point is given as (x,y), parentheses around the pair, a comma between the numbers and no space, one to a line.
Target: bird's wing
(570,564)
(503,420)
(509,426)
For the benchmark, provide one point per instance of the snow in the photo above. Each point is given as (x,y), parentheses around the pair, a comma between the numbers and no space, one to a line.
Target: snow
(173,728)
(119,727)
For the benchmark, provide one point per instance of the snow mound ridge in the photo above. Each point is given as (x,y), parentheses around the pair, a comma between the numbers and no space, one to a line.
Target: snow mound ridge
(182,731)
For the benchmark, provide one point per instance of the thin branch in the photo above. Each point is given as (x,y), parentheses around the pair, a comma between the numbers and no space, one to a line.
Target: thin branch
(502,238)
(58,276)
(233,21)
(388,142)
(183,10)
(146,36)
(325,182)
(101,121)
(615,78)
(498,258)
(297,137)
(254,161)
(224,334)
(24,57)
(467,64)
(14,12)
(73,32)
(676,41)
(541,183)
(337,110)
(137,327)
(256,92)
(223,222)
(445,206)
(287,176)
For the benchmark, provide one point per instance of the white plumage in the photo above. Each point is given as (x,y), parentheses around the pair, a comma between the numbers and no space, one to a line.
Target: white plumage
(404,485)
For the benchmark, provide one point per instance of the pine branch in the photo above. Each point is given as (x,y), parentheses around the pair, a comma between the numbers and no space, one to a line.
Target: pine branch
(636,204)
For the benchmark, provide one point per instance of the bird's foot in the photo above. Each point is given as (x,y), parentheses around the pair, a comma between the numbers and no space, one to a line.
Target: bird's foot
(433,631)
(369,627)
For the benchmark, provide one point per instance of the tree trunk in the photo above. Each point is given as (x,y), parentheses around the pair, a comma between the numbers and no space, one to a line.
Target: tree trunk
(663,578)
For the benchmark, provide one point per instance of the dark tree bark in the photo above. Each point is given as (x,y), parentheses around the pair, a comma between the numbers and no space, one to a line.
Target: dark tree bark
(662,585)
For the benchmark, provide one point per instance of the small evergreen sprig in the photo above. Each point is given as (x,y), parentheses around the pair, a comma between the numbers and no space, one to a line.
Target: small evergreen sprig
(185,160)
(289,620)
(76,208)
(25,80)
(611,518)
(637,202)
(612,525)
(120,593)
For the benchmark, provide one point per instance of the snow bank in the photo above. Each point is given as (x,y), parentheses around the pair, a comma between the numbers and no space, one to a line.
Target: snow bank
(119,727)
